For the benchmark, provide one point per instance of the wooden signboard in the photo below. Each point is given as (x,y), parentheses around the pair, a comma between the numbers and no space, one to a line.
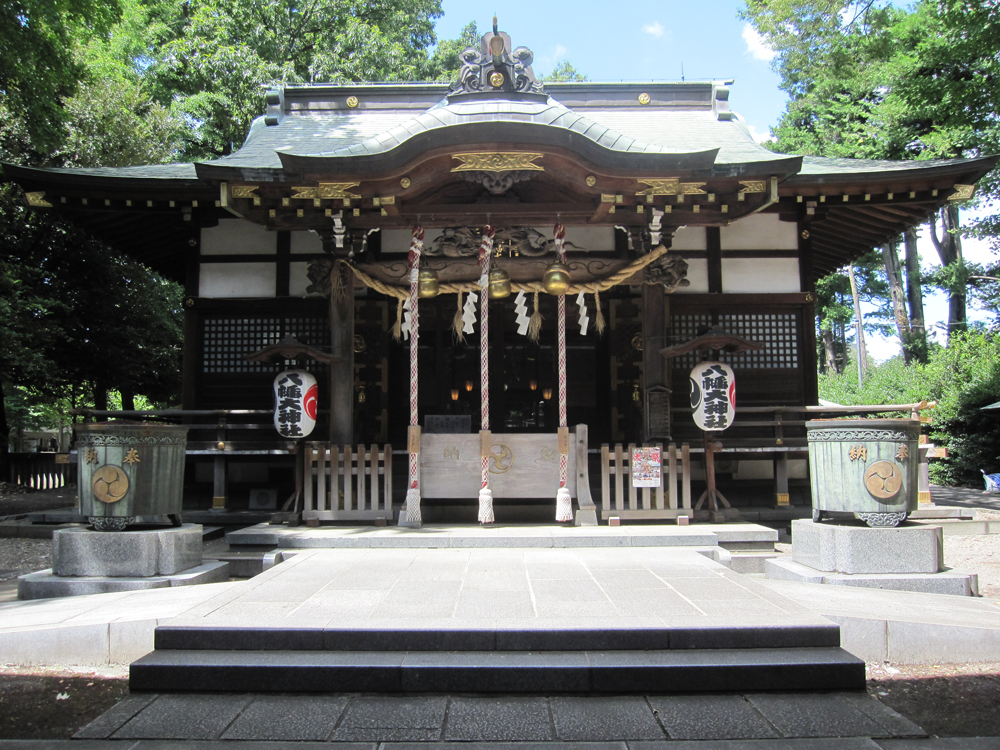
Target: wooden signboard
(520,466)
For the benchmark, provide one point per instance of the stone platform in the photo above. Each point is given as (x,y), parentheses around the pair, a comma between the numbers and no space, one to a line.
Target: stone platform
(498,619)
(85,561)
(906,558)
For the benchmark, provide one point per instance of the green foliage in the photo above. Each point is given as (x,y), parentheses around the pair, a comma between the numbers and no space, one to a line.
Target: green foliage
(38,65)
(962,378)
(445,64)
(564,71)
(217,57)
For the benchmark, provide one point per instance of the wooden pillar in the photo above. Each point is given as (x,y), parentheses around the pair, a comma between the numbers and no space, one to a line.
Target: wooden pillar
(654,336)
(342,372)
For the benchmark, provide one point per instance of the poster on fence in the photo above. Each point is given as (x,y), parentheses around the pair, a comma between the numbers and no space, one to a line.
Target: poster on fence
(646,467)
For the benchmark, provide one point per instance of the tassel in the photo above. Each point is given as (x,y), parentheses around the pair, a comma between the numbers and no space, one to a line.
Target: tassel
(397,328)
(599,323)
(413,507)
(485,505)
(457,322)
(535,323)
(564,505)
(337,282)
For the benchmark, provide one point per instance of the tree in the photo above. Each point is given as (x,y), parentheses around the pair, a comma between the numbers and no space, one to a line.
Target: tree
(445,64)
(39,69)
(212,60)
(871,80)
(564,71)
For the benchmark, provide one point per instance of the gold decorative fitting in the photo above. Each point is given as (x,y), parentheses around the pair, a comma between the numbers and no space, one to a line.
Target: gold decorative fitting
(404,182)
(497,161)
(884,479)
(637,342)
(107,202)
(693,188)
(84,201)
(272,213)
(753,186)
(189,302)
(868,196)
(149,204)
(427,284)
(347,202)
(194,204)
(354,212)
(499,283)
(618,199)
(725,208)
(711,197)
(591,180)
(659,187)
(316,202)
(611,210)
(496,79)
(256,201)
(696,209)
(805,234)
(352,101)
(288,202)
(37,200)
(846,198)
(388,200)
(640,209)
(329,212)
(888,196)
(782,498)
(359,343)
(810,297)
(300,213)
(128,202)
(962,193)
(384,212)
(822,199)
(109,483)
(644,98)
(376,201)
(326,190)
(607,198)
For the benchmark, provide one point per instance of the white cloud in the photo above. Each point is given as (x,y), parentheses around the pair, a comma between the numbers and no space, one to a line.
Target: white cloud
(756,46)
(758,136)
(560,52)
(654,29)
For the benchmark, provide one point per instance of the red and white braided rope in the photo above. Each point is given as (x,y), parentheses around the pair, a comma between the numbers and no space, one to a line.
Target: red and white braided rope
(485,254)
(560,242)
(416,248)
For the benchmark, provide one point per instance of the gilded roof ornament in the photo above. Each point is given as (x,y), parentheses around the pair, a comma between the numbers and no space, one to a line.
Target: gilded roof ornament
(496,67)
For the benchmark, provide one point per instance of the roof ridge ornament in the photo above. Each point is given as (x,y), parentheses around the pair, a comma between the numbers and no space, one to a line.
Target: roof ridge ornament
(495,67)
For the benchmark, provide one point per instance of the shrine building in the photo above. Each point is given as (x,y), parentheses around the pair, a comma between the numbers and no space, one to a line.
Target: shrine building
(545,243)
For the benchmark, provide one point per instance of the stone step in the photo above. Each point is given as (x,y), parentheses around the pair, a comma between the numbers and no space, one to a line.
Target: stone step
(334,639)
(748,563)
(656,671)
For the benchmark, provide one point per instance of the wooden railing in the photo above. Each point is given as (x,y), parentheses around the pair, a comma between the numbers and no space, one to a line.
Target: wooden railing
(40,471)
(671,499)
(347,483)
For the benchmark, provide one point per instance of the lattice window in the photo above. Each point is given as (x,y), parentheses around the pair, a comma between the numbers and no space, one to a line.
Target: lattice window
(777,331)
(227,340)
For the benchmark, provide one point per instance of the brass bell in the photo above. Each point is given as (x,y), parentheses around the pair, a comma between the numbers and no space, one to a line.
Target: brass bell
(556,278)
(499,283)
(427,284)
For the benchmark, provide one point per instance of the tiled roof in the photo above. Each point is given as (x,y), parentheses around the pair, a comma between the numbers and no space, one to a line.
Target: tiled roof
(821,165)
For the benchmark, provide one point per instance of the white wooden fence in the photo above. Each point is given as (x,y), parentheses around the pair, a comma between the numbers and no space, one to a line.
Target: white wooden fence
(671,499)
(344,483)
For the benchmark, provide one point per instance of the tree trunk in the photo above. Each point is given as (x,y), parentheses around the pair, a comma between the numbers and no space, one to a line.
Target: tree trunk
(862,351)
(4,440)
(949,248)
(100,397)
(830,350)
(894,272)
(128,399)
(915,298)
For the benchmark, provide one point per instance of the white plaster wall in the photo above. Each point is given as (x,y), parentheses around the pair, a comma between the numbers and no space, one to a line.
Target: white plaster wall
(689,238)
(237,237)
(306,242)
(697,275)
(237,280)
(759,275)
(298,280)
(760,232)
(798,468)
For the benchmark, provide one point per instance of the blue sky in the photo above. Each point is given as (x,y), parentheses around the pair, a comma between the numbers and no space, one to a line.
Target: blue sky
(641,42)
(653,42)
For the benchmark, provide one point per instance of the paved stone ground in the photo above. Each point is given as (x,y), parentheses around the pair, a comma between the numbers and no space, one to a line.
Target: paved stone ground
(484,718)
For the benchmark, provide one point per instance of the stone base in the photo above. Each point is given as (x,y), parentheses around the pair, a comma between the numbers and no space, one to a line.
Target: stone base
(860,550)
(953,582)
(585,517)
(46,585)
(140,553)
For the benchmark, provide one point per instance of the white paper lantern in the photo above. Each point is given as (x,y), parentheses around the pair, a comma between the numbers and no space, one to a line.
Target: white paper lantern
(295,397)
(713,395)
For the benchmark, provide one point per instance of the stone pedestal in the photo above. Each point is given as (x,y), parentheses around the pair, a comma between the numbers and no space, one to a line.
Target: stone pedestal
(94,562)
(908,558)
